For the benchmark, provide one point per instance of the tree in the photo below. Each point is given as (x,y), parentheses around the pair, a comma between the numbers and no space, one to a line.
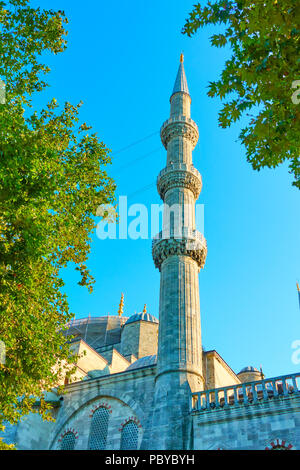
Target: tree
(262,75)
(51,182)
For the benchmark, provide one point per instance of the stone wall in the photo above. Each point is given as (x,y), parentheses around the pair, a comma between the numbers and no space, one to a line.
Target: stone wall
(249,427)
(127,395)
(118,362)
(139,339)
(217,373)
(31,433)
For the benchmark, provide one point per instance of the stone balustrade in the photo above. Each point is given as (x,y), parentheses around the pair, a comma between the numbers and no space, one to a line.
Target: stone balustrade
(179,118)
(179,175)
(191,243)
(179,167)
(187,233)
(246,393)
(179,126)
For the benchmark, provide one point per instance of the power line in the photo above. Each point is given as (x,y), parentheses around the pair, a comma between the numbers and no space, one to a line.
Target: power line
(135,143)
(141,190)
(137,159)
(144,188)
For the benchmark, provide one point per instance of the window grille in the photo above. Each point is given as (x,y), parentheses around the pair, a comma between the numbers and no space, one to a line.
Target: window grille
(68,441)
(129,436)
(99,427)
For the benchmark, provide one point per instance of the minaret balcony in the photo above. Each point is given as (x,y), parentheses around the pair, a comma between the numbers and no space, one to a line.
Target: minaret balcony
(179,166)
(179,126)
(179,175)
(189,243)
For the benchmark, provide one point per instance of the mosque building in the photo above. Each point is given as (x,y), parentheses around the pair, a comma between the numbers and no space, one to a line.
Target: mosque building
(145,381)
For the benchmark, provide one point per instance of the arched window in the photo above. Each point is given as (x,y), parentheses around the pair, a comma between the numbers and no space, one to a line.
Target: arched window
(68,441)
(99,427)
(280,444)
(129,436)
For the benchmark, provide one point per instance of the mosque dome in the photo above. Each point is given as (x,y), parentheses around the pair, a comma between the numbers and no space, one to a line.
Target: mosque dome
(143,316)
(143,362)
(250,374)
(97,331)
(94,374)
(248,369)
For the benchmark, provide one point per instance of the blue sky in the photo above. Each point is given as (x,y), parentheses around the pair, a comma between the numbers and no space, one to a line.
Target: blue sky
(121,61)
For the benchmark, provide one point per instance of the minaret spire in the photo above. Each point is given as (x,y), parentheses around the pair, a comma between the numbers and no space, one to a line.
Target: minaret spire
(181,81)
(179,252)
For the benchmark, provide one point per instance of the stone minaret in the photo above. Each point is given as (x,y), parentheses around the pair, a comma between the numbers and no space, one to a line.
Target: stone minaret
(179,252)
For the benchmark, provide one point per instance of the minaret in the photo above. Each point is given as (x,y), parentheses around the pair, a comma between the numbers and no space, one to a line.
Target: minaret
(179,252)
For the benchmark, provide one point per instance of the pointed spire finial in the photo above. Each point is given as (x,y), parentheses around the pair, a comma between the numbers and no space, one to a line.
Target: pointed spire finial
(121,305)
(261,373)
(145,308)
(298,288)
(180,82)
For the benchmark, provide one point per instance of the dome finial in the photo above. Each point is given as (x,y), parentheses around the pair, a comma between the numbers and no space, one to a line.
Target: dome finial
(261,373)
(121,305)
(145,308)
(181,58)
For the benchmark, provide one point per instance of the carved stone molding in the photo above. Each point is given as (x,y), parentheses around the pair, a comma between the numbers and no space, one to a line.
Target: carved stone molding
(100,405)
(68,431)
(172,128)
(181,179)
(280,444)
(133,419)
(195,248)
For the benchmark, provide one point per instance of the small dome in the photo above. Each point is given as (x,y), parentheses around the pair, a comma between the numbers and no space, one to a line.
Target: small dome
(248,369)
(94,374)
(143,362)
(143,316)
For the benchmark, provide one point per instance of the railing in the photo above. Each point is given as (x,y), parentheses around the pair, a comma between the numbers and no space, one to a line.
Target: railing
(246,393)
(179,118)
(186,233)
(179,167)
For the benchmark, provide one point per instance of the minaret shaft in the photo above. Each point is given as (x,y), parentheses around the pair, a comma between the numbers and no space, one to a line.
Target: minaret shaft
(184,215)
(180,349)
(179,344)
(179,251)
(180,105)
(179,151)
